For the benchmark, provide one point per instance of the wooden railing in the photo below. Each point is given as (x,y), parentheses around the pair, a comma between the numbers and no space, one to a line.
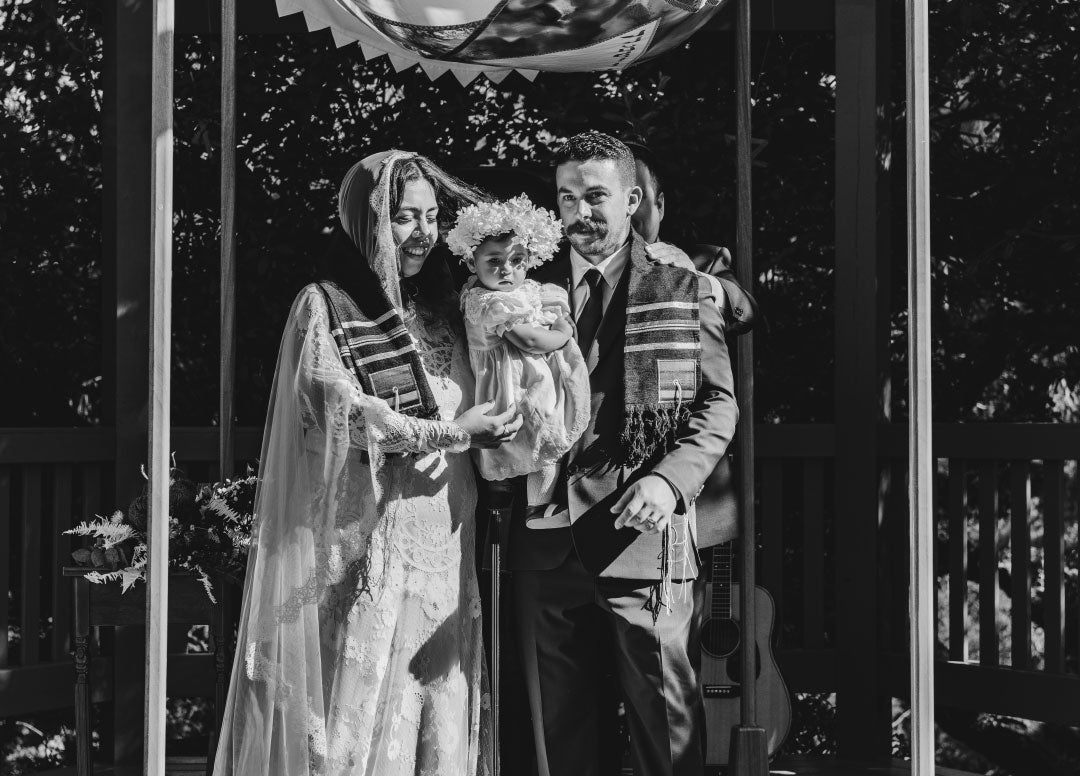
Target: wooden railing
(995,480)
(50,479)
(1014,484)
(40,496)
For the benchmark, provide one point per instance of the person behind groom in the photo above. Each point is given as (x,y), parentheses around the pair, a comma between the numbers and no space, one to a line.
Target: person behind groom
(613,582)
(739,306)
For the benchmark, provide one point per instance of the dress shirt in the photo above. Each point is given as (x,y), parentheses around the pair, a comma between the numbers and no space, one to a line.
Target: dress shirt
(610,268)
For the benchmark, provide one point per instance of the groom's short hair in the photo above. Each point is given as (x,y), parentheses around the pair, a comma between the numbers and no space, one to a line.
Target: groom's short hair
(586,146)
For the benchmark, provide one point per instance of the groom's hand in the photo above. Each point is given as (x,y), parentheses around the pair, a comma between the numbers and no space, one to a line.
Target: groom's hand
(647,505)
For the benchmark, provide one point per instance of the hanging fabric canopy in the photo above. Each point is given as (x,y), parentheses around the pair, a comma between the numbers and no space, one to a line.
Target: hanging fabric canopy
(494,37)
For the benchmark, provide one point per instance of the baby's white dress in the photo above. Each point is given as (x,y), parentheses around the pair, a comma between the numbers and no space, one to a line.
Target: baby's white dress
(550,390)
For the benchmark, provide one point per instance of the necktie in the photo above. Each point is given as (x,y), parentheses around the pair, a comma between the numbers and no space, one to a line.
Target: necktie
(589,319)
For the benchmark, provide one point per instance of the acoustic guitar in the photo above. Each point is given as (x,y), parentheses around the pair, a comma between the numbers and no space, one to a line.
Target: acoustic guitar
(722,642)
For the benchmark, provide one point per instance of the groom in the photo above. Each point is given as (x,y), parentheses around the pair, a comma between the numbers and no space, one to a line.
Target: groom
(615,586)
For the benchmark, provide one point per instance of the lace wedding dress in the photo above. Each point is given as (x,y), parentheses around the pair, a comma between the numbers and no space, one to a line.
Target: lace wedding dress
(360,649)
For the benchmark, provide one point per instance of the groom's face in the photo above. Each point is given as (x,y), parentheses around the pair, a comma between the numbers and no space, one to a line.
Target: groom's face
(596,201)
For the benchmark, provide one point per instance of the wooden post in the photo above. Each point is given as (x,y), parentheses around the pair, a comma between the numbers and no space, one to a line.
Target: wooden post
(863,704)
(81,638)
(220,625)
(226,447)
(126,245)
(923,603)
(749,744)
(5,558)
(745,359)
(157,599)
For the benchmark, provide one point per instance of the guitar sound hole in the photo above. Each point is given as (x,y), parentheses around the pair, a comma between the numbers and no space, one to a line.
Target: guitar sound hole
(720,637)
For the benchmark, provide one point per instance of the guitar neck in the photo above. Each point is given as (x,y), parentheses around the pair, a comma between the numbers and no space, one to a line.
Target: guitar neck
(723,557)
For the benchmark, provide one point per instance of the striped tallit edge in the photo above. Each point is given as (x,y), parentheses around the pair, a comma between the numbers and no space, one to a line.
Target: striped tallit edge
(368,339)
(402,399)
(344,330)
(369,324)
(383,356)
(351,351)
(662,346)
(660,325)
(642,308)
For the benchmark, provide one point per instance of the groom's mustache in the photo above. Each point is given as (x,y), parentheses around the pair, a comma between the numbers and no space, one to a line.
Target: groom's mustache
(585,227)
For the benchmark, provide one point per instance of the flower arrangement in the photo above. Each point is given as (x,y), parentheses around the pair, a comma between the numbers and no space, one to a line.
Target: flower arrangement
(536,229)
(209,532)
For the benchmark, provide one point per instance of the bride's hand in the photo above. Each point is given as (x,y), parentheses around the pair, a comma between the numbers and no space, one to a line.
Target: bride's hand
(489,430)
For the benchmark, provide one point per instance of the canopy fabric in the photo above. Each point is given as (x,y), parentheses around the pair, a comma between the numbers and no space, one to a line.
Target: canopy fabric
(496,37)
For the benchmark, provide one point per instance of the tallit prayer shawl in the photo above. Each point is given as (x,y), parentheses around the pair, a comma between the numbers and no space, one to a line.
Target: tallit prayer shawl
(380,353)
(661,357)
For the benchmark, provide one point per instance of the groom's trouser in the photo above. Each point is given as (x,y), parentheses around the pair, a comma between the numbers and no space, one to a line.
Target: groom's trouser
(573,627)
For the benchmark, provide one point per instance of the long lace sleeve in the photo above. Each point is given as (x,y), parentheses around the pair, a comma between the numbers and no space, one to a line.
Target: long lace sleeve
(333,402)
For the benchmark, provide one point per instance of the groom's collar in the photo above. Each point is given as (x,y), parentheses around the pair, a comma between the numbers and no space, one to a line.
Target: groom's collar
(611,268)
(558,270)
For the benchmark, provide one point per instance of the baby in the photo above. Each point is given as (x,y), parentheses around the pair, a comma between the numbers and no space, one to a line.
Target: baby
(521,344)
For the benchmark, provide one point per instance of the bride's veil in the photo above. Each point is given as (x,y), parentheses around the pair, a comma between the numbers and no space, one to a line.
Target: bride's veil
(369,225)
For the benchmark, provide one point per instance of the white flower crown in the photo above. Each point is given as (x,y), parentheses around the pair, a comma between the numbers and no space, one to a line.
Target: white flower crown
(536,229)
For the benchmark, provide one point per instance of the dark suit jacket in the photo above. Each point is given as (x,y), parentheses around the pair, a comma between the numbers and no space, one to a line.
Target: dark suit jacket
(740,309)
(593,484)
(717,504)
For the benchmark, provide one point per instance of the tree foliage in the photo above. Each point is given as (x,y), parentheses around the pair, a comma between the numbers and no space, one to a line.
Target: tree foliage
(50,213)
(1004,223)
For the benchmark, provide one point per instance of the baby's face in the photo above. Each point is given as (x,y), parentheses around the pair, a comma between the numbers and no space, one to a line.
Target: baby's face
(498,265)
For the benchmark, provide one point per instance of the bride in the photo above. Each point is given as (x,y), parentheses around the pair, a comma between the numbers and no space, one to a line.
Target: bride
(360,643)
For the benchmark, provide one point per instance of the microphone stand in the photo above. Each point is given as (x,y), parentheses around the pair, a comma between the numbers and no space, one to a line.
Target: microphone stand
(499,508)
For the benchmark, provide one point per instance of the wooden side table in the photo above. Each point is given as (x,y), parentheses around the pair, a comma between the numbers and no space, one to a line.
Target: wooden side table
(99,605)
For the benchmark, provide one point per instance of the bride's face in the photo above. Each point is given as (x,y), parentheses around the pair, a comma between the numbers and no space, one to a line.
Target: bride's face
(415,225)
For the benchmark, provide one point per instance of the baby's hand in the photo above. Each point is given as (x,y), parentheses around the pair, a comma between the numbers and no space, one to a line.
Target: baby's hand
(539,340)
(564,326)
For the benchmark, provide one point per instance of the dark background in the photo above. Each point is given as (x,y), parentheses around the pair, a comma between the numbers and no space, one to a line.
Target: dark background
(1005,152)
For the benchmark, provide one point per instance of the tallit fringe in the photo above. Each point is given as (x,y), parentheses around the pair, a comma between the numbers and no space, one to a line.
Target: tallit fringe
(648,428)
(672,547)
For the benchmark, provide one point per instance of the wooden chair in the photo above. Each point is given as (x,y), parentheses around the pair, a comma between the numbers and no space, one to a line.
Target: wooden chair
(105,606)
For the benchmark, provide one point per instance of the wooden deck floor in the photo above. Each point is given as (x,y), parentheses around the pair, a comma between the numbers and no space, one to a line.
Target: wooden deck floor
(817,766)
(821,766)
